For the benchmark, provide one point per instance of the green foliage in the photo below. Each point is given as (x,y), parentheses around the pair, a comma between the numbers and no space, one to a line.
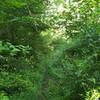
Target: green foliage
(7,49)
(3,96)
(49,50)
(93,95)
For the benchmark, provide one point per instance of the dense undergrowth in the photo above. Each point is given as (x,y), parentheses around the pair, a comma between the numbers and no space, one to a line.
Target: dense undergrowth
(49,50)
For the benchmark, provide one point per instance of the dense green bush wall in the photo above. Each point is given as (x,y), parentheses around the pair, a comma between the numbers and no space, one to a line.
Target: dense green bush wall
(49,53)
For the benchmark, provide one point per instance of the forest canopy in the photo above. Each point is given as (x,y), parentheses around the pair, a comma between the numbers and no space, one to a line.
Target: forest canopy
(49,49)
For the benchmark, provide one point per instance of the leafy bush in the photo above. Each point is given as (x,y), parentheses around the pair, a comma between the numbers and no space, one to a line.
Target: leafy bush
(7,49)
(49,50)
